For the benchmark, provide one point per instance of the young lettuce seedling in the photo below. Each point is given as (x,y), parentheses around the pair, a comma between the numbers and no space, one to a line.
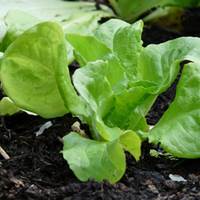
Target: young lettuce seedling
(112,92)
(138,75)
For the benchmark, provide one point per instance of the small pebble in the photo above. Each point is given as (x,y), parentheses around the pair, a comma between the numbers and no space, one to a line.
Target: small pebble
(177,178)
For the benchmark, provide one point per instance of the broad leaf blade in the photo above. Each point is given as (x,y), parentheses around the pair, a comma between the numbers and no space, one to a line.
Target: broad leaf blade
(28,70)
(178,131)
(96,160)
(106,31)
(160,64)
(16,23)
(127,45)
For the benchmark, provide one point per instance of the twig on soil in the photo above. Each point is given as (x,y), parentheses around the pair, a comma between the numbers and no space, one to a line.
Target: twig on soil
(17,182)
(76,127)
(4,154)
(61,140)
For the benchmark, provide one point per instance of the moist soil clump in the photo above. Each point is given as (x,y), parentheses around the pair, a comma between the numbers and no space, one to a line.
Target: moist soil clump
(36,169)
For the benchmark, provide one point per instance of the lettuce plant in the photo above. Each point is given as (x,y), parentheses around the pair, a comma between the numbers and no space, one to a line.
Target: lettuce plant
(16,17)
(130,10)
(112,92)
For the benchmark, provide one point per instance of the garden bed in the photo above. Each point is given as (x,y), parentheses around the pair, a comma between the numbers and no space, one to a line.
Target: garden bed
(36,169)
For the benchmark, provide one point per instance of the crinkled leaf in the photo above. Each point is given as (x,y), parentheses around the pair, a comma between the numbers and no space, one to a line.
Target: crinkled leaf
(114,35)
(113,108)
(129,109)
(105,33)
(159,64)
(28,70)
(97,84)
(96,160)
(114,103)
(178,131)
(127,45)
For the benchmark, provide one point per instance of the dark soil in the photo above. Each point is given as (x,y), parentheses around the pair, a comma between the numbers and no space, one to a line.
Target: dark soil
(36,169)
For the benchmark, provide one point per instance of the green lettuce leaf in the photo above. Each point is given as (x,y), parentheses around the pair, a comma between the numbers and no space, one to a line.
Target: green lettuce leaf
(28,70)
(127,45)
(87,48)
(131,142)
(120,104)
(74,17)
(7,107)
(159,65)
(96,160)
(16,23)
(105,33)
(130,108)
(96,85)
(100,160)
(131,11)
(178,131)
